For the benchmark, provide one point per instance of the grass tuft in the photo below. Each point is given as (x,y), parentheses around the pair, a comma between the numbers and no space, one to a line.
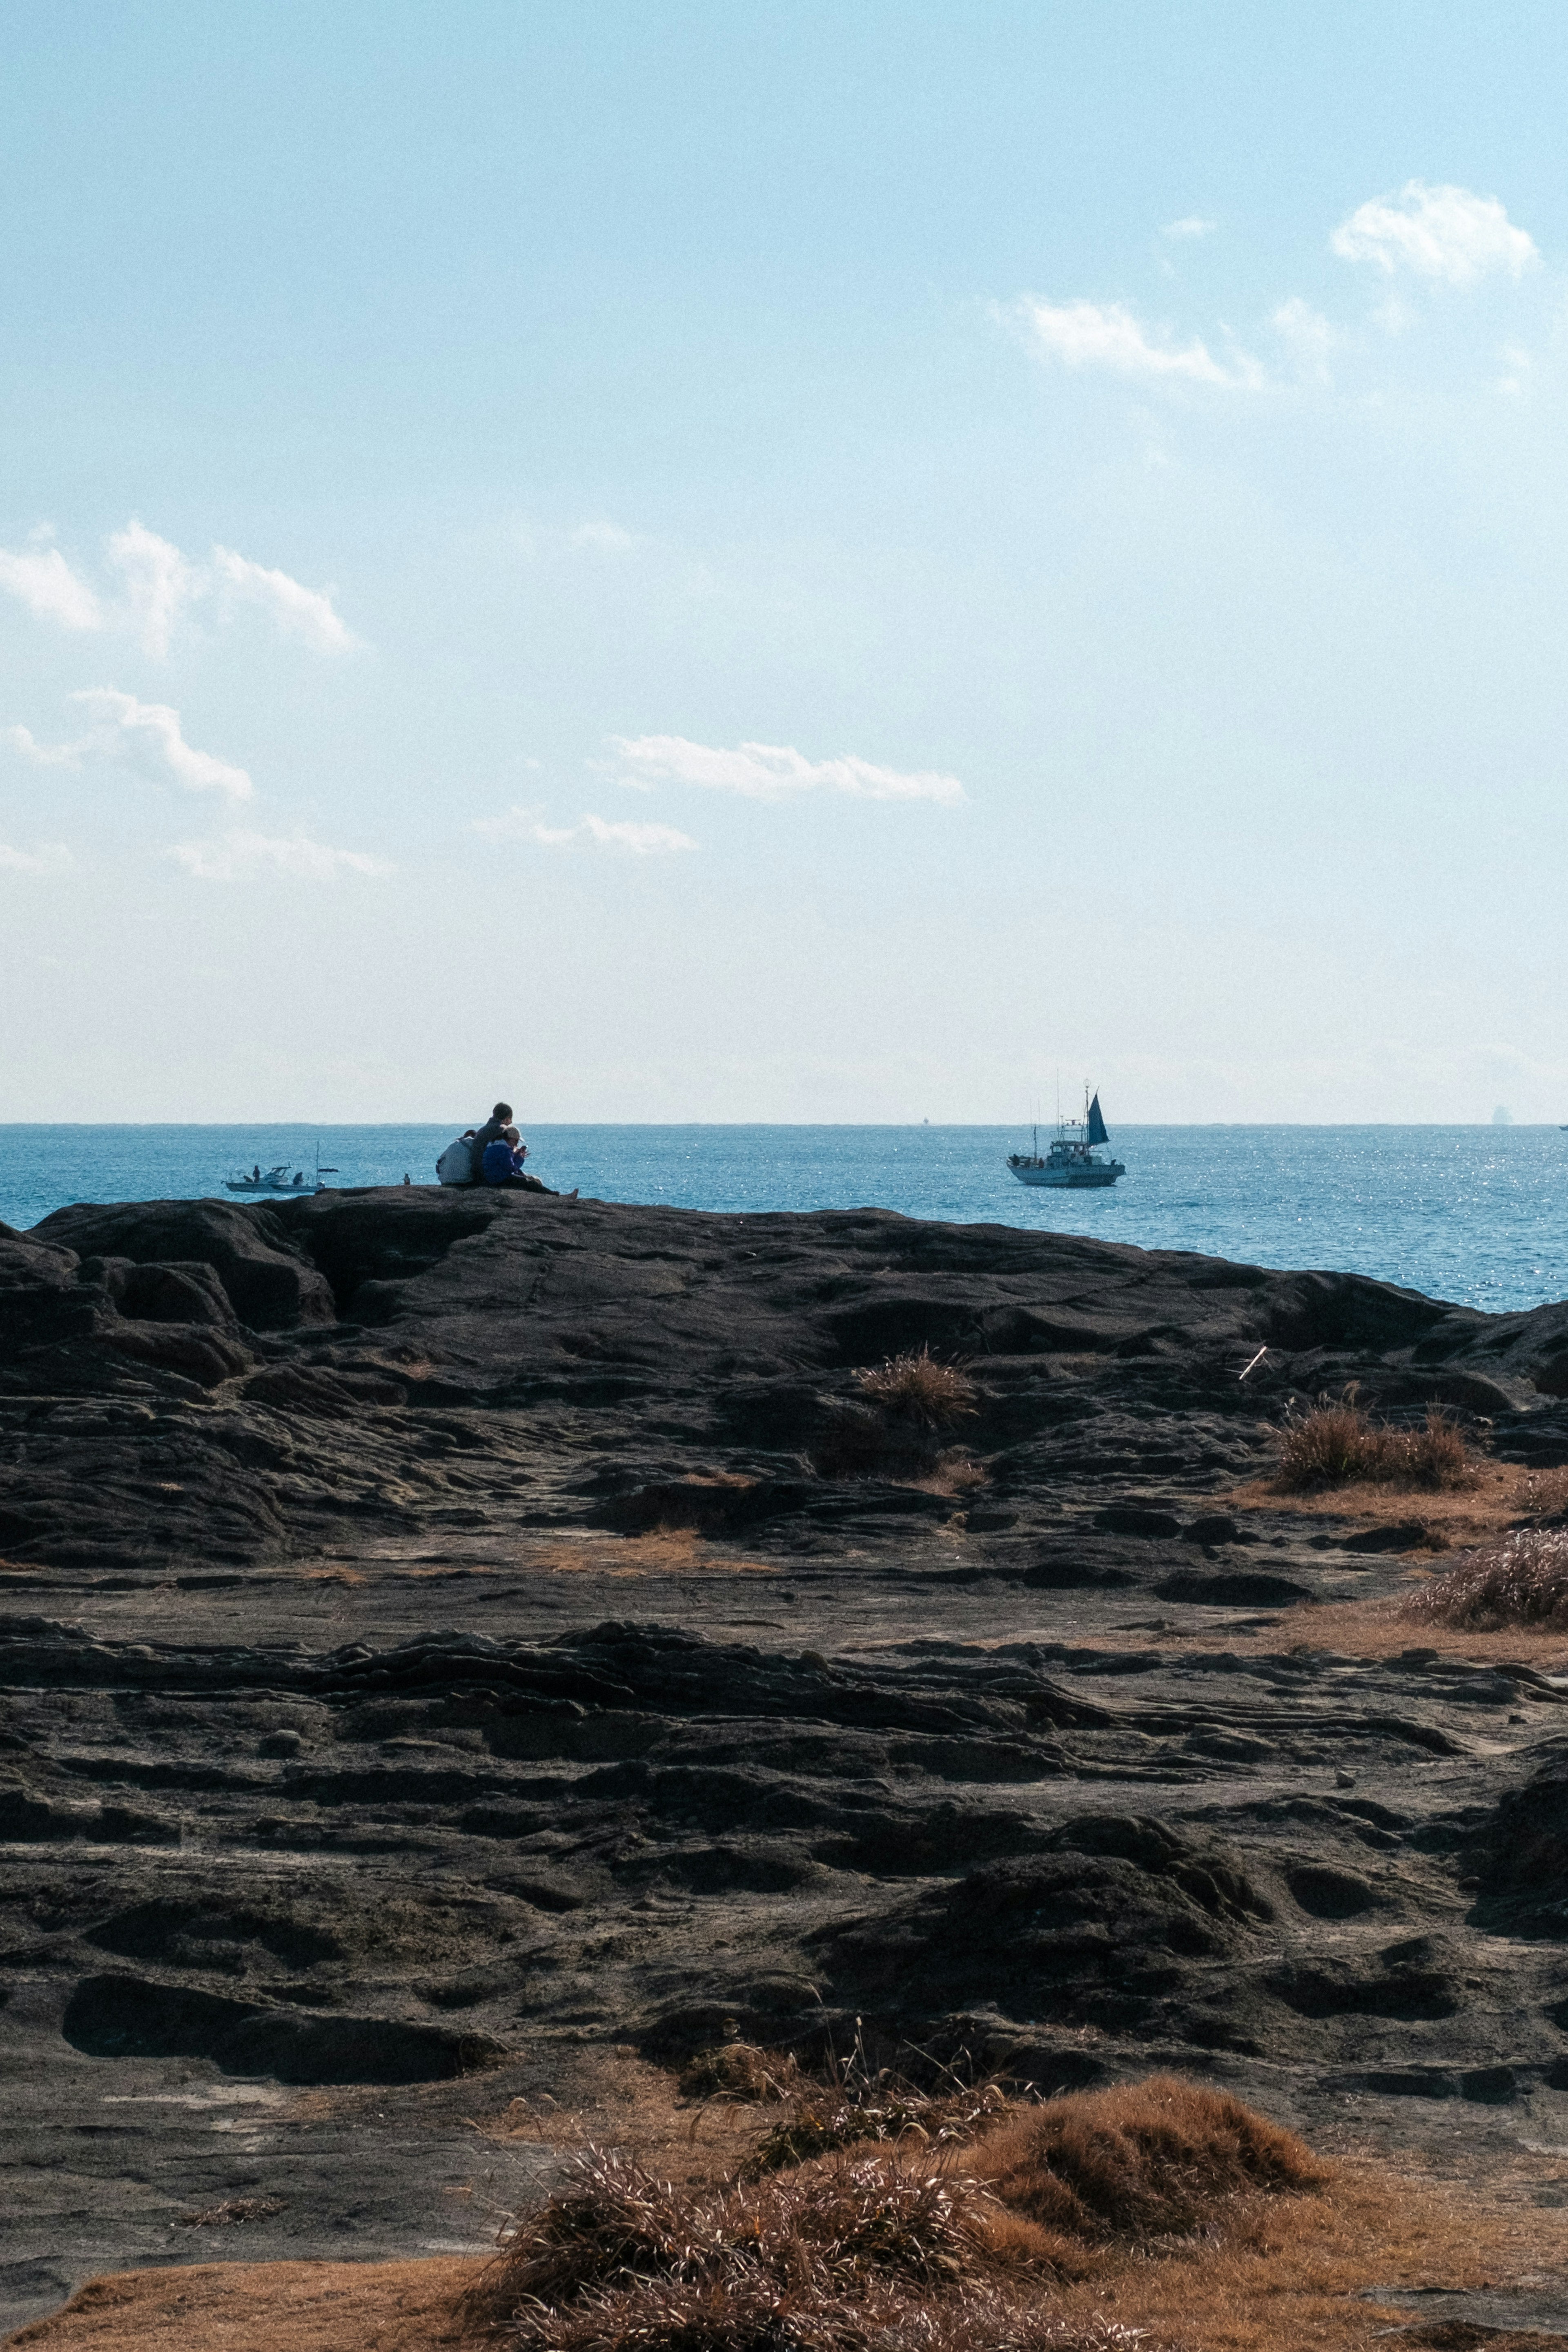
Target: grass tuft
(739,2070)
(618,2259)
(1148,2159)
(921,1389)
(1336,1443)
(1543,1494)
(850,2114)
(750,2310)
(1523,1580)
(898,2250)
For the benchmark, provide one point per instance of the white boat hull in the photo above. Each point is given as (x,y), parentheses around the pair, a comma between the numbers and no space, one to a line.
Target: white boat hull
(1072,1179)
(256,1189)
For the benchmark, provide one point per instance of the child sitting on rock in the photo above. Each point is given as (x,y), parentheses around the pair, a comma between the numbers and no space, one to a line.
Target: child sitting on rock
(502,1165)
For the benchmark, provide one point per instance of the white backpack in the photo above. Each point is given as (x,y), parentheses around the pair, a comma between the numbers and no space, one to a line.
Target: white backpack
(456,1165)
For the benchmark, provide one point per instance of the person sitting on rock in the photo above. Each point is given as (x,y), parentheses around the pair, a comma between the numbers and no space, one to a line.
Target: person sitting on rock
(519,1155)
(502,1166)
(493,1131)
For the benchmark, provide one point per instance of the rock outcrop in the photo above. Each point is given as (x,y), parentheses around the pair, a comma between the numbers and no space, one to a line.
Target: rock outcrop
(439,1633)
(190,1382)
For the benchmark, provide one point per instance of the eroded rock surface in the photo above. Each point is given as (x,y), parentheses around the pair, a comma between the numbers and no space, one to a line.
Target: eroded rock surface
(440,1635)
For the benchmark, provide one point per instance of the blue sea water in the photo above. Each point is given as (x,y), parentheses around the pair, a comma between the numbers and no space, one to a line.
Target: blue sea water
(1478,1214)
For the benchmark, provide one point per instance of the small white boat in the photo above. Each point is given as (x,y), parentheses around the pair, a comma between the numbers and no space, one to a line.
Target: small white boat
(1070,1162)
(282,1177)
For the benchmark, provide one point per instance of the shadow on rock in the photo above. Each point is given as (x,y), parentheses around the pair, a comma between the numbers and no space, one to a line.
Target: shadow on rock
(130,2017)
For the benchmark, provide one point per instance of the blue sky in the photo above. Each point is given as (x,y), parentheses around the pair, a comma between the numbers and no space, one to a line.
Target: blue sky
(782,562)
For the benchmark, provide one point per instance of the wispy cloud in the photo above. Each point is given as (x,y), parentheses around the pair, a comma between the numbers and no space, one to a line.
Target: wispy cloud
(154,583)
(50,857)
(1191,225)
(770,771)
(304,613)
(40,578)
(1445,233)
(234,855)
(603,833)
(158,583)
(1108,335)
(146,736)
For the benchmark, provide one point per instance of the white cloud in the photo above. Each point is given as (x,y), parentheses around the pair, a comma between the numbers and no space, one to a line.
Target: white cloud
(303,612)
(1443,232)
(607,536)
(1308,335)
(47,755)
(640,840)
(768,771)
(158,580)
(1106,334)
(226,859)
(43,580)
(1191,225)
(145,735)
(50,857)
(149,735)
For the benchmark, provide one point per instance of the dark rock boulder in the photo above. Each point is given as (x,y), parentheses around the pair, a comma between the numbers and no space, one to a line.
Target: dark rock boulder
(250,1262)
(1137,1519)
(1327,1892)
(175,1316)
(1418,1978)
(1116,1922)
(1233,1588)
(1522,1857)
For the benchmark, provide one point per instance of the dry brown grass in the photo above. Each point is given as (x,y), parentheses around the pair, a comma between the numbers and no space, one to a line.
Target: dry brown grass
(616,2257)
(232,2212)
(241,2307)
(1503,1495)
(851,2113)
(1370,1630)
(1543,1493)
(1269,2272)
(1336,1443)
(749,2310)
(739,2070)
(1295,2273)
(954,1473)
(894,1428)
(1146,2159)
(1521,1579)
(920,1387)
(660,1552)
(929,2246)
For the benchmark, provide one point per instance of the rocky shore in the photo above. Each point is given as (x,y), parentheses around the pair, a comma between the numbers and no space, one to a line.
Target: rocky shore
(446,1640)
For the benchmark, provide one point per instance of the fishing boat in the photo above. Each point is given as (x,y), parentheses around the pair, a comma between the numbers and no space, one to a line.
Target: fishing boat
(282,1177)
(1071,1161)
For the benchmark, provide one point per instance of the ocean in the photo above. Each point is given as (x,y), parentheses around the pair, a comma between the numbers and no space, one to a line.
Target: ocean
(1476,1215)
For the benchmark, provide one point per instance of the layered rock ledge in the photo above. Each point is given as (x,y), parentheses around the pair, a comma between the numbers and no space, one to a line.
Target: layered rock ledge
(444,1636)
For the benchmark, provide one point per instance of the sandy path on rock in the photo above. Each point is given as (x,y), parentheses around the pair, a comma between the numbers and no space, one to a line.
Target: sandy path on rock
(245,2306)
